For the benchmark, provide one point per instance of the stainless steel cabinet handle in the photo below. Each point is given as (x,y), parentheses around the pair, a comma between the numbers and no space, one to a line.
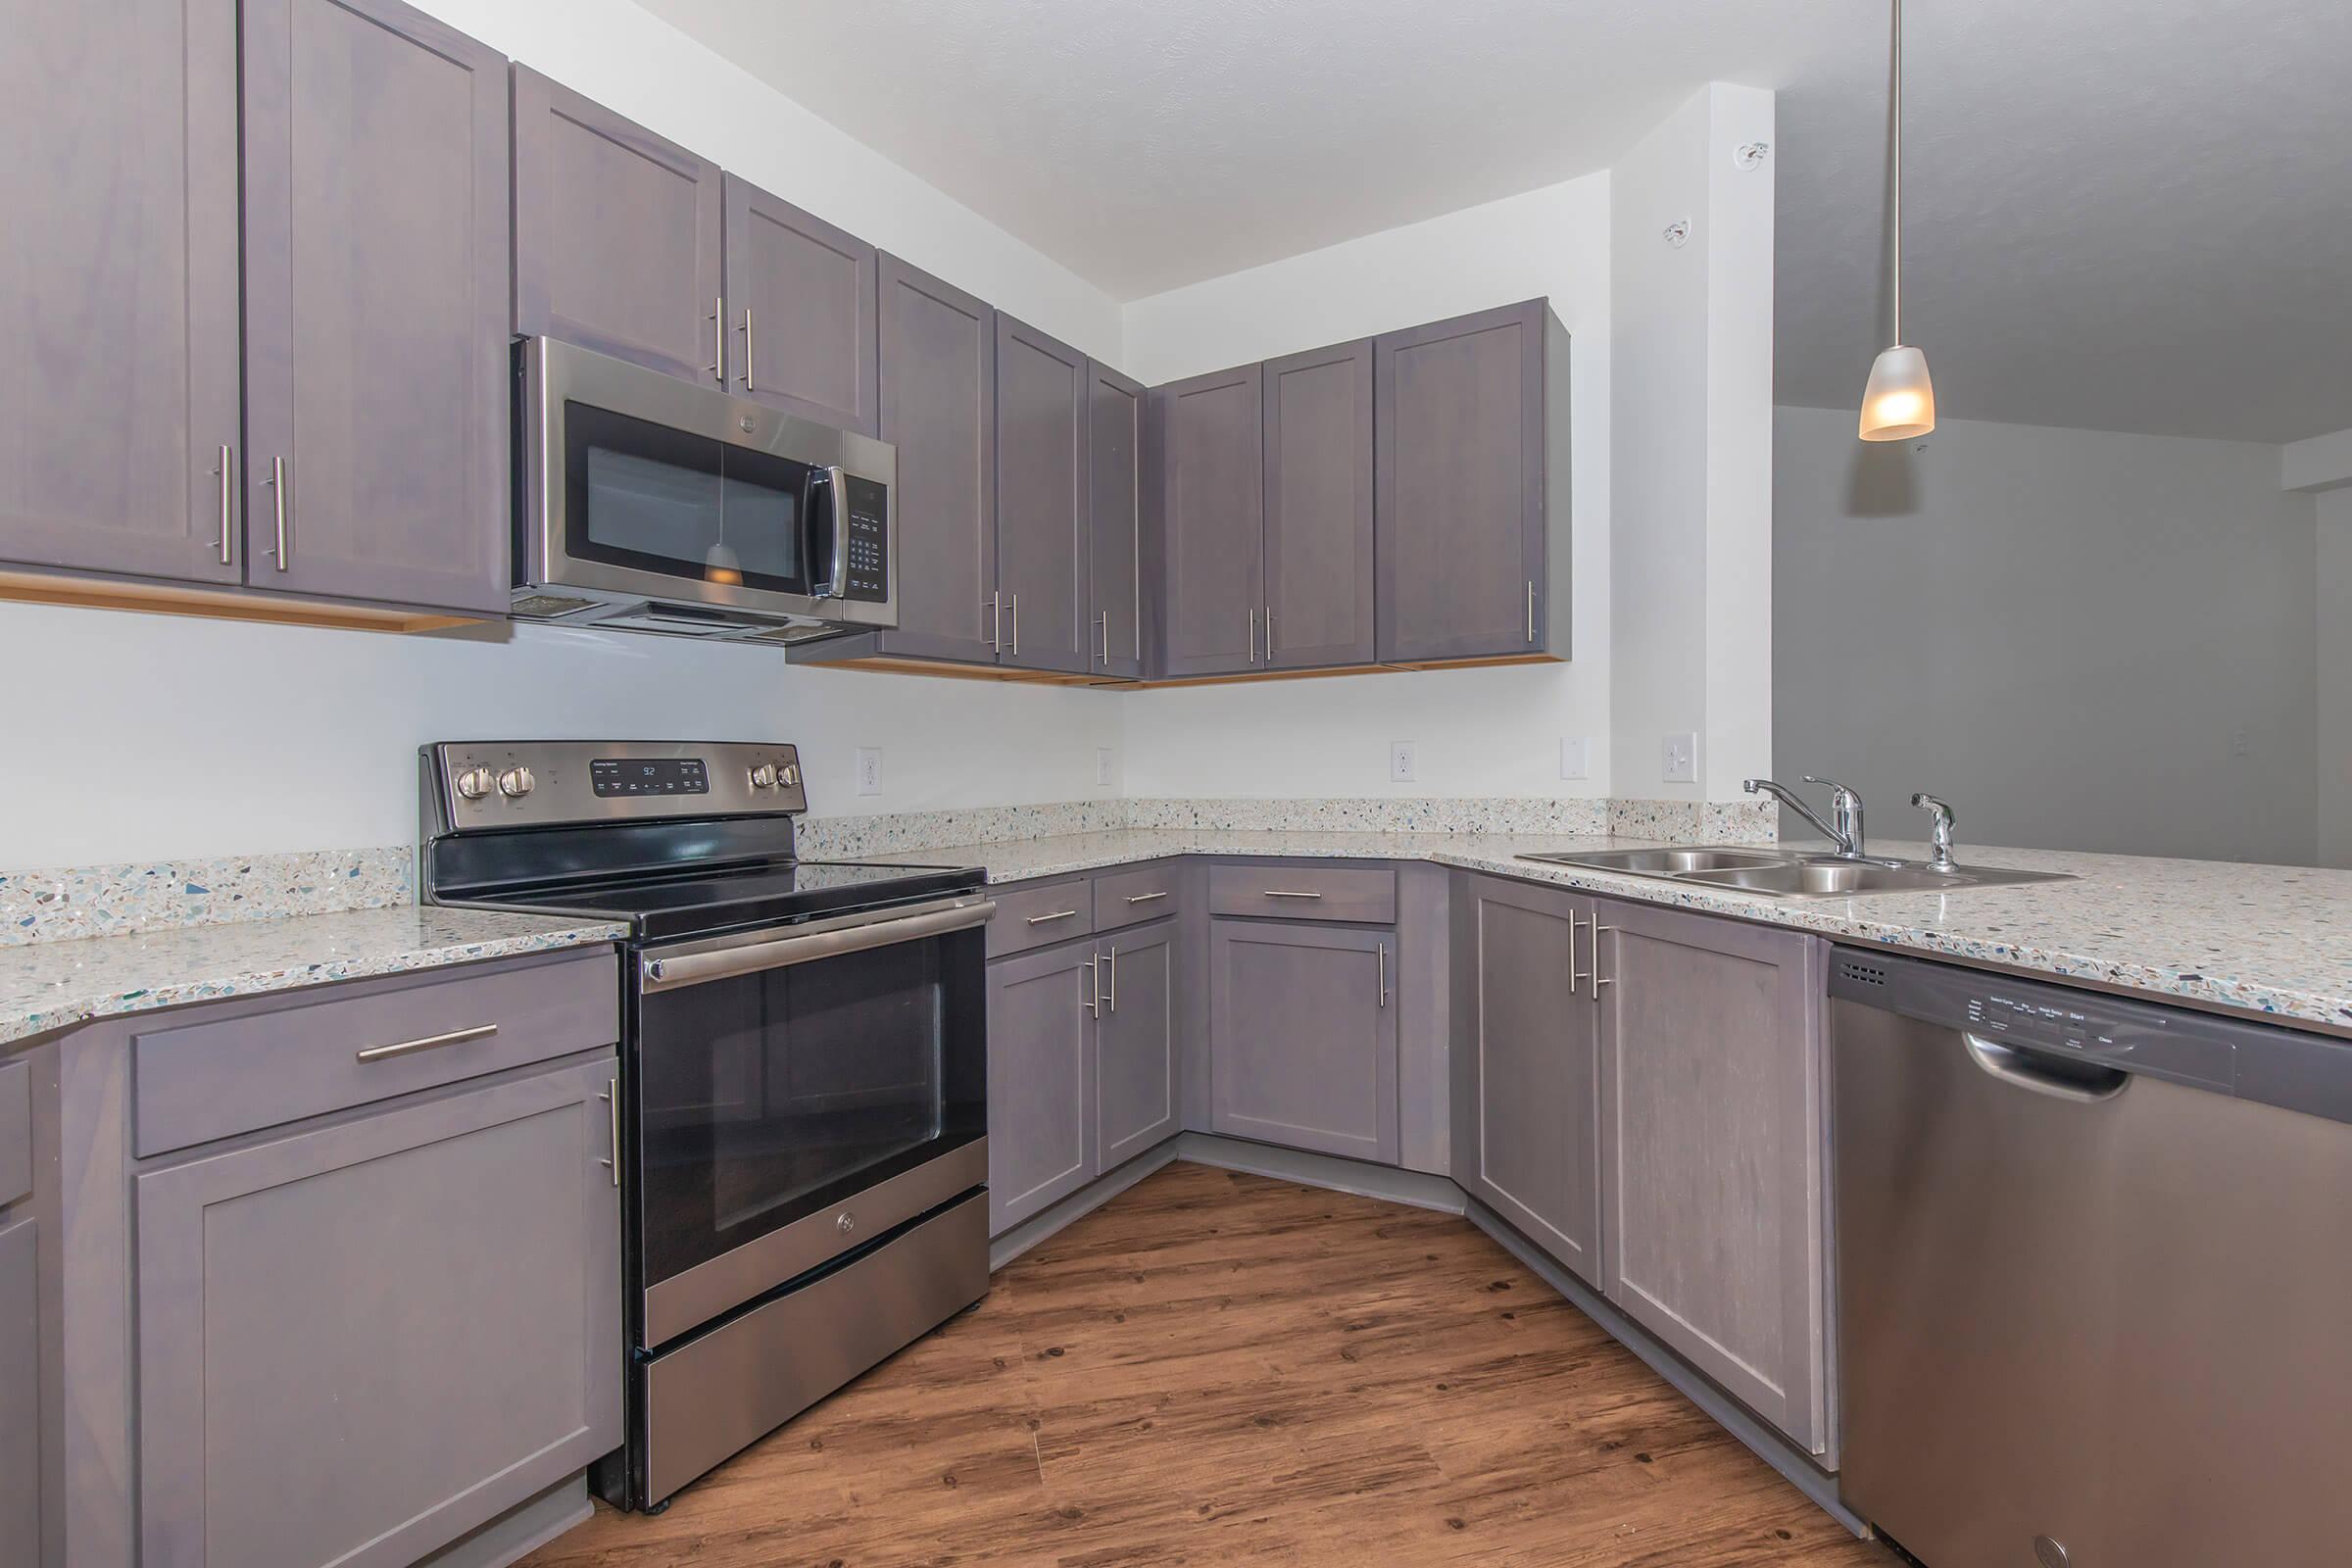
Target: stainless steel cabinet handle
(1016,625)
(278,487)
(1146,898)
(228,465)
(1531,609)
(1575,925)
(748,353)
(719,341)
(406,1047)
(1103,619)
(1382,950)
(612,1099)
(1114,977)
(1598,981)
(996,622)
(1285,893)
(1058,915)
(1092,1002)
(1253,634)
(1269,634)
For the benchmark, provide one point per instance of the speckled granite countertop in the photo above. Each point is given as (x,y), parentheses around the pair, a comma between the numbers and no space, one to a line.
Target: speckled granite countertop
(2250,939)
(46,986)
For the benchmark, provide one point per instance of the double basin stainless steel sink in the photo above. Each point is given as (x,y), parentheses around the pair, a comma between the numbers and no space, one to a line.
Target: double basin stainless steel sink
(1792,873)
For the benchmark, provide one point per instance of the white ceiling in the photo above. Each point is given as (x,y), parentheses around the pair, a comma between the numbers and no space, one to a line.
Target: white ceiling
(2122,213)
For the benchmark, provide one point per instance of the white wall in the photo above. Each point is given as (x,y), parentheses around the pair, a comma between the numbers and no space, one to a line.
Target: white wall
(1478,731)
(135,736)
(2082,640)
(1693,423)
(2334,579)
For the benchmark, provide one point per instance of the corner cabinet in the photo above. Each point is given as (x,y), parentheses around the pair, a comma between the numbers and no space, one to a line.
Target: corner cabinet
(1302,1035)
(1318,509)
(1114,477)
(1715,1151)
(1209,524)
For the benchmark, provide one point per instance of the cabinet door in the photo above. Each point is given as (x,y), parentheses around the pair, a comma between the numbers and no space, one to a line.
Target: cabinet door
(1528,1139)
(357,1343)
(1042,527)
(1303,1037)
(1319,550)
(1041,1081)
(20,1431)
(1459,407)
(617,235)
(1714,1153)
(1135,1073)
(377,269)
(1114,412)
(939,408)
(1210,523)
(801,296)
(118,337)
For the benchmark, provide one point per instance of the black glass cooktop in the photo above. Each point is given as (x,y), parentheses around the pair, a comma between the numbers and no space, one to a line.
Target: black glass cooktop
(660,906)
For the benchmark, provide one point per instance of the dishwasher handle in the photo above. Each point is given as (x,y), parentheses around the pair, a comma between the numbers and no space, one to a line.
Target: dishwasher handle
(2083,1083)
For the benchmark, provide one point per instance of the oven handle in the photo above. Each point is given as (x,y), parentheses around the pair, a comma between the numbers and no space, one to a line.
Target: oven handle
(881,931)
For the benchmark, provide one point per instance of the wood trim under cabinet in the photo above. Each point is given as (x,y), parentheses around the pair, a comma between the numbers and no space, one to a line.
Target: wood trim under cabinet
(218,603)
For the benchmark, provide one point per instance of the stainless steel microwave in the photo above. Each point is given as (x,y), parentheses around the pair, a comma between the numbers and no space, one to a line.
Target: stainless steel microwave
(645,502)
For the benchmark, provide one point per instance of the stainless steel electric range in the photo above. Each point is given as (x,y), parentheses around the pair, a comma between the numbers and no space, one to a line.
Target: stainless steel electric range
(803,1070)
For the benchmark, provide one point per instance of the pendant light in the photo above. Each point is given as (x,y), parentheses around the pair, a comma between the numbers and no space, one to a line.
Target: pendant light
(1899,400)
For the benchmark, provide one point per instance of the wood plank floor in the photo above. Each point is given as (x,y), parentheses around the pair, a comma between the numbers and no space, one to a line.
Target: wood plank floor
(1218,1368)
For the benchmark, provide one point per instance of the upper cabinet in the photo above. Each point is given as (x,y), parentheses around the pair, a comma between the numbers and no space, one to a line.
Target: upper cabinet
(119,339)
(801,296)
(1471,488)
(1114,412)
(1318,539)
(376,266)
(617,235)
(1041,527)
(1209,522)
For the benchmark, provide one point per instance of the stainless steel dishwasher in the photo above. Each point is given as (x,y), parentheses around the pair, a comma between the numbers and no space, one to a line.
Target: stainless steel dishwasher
(2094,1274)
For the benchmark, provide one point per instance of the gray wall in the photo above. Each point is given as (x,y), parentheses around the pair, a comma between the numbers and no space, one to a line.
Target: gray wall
(2082,640)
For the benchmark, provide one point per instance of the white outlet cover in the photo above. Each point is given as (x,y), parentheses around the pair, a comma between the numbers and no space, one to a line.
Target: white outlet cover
(1574,762)
(1103,765)
(1400,761)
(870,769)
(1678,759)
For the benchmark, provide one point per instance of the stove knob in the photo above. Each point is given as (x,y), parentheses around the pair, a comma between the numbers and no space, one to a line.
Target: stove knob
(476,782)
(764,777)
(516,782)
(791,776)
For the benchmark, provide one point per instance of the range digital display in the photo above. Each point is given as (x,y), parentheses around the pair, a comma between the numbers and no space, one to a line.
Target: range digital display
(668,775)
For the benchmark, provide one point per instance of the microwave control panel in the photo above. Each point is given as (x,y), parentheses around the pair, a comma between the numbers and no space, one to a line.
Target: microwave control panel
(867,543)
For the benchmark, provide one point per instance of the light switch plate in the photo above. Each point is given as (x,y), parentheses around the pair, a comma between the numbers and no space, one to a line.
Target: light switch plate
(1573,761)
(870,769)
(1678,759)
(1400,761)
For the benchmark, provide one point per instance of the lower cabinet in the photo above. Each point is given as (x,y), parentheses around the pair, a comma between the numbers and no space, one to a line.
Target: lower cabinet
(22,1429)
(1302,1035)
(1135,1042)
(1715,1151)
(358,1341)
(1526,1059)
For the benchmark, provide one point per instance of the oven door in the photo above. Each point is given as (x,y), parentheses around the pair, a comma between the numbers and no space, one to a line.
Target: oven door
(799,1092)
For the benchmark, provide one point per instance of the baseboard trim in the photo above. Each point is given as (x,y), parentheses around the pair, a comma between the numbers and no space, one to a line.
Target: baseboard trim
(1390,1185)
(1041,1225)
(522,1530)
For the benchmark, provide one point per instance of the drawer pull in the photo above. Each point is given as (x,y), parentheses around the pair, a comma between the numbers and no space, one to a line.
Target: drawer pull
(1284,893)
(405,1048)
(1146,898)
(1058,915)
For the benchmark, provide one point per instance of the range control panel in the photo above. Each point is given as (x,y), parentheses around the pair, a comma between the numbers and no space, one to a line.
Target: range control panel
(498,784)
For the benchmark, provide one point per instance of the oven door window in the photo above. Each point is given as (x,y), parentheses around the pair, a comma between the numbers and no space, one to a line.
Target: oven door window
(769,1096)
(643,496)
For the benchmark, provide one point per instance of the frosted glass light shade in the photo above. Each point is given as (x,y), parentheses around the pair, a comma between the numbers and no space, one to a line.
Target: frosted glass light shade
(1899,402)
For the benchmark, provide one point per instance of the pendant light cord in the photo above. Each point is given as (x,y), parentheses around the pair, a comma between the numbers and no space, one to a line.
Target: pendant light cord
(1899,170)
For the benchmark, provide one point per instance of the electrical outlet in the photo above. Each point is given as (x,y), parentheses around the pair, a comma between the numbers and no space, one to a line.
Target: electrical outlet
(1678,759)
(1400,761)
(870,769)
(1102,767)
(1573,762)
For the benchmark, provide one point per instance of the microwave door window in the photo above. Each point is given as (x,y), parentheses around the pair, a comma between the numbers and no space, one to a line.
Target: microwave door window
(644,507)
(759,528)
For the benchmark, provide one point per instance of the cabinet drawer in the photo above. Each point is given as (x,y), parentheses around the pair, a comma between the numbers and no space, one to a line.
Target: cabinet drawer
(1318,893)
(203,1081)
(1124,898)
(16,1131)
(1031,917)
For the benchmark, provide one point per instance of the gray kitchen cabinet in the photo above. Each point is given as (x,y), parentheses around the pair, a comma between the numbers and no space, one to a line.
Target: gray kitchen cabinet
(618,235)
(1471,488)
(1043,529)
(1115,415)
(358,1341)
(1302,1035)
(801,299)
(1208,532)
(1526,1063)
(1042,1139)
(1318,509)
(1714,1151)
(1134,1041)
(376,258)
(118,334)
(23,1426)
